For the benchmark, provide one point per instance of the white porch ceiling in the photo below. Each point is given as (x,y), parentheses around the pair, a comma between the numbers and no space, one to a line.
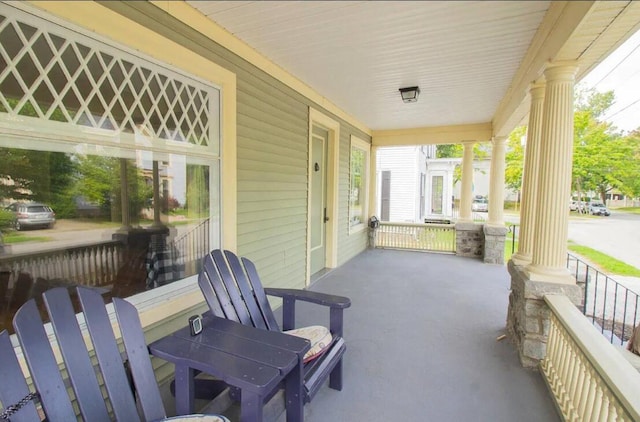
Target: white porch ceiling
(464,55)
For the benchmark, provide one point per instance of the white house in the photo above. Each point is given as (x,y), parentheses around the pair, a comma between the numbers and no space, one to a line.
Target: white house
(402,182)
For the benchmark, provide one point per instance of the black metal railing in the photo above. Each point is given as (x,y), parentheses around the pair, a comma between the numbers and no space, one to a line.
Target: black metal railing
(194,245)
(513,234)
(611,306)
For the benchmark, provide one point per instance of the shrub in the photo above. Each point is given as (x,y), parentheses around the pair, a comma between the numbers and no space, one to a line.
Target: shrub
(6,220)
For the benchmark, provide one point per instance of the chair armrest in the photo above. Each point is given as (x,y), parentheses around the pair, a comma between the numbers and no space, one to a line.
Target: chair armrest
(336,306)
(310,296)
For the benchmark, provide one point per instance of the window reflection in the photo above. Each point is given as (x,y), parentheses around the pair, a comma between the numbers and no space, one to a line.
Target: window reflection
(123,224)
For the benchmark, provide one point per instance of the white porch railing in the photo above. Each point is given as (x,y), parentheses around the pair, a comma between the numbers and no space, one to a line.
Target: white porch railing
(422,237)
(589,379)
(91,265)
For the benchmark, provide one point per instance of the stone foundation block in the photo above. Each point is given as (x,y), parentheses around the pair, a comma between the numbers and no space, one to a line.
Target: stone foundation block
(469,240)
(528,314)
(494,238)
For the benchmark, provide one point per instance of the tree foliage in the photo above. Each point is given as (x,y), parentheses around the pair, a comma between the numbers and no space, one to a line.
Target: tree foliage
(42,176)
(603,159)
(480,152)
(514,159)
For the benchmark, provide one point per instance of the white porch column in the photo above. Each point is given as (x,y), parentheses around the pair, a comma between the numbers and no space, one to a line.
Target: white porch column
(496,183)
(554,186)
(467,183)
(530,177)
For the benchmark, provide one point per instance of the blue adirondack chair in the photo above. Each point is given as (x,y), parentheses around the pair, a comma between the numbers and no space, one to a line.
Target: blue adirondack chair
(51,391)
(233,290)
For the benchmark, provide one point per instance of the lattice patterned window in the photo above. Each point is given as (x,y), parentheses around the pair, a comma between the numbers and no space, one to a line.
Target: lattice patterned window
(121,151)
(54,74)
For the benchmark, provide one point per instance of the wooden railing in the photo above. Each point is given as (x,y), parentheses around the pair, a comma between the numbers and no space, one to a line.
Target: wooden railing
(425,237)
(91,265)
(589,379)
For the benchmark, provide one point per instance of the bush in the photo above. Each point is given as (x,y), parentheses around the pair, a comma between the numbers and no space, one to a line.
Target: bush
(6,220)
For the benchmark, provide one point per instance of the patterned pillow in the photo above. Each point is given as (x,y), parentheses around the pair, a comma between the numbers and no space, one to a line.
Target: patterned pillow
(319,336)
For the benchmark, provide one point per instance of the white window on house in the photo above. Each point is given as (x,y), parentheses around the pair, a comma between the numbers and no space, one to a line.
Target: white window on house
(359,184)
(124,150)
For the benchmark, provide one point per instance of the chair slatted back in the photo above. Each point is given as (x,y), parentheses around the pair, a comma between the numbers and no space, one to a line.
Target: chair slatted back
(46,374)
(74,353)
(220,298)
(13,387)
(139,361)
(260,295)
(108,355)
(233,286)
(42,363)
(246,290)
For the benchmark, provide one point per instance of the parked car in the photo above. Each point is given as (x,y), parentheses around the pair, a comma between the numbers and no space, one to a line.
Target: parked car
(480,205)
(573,206)
(598,208)
(31,215)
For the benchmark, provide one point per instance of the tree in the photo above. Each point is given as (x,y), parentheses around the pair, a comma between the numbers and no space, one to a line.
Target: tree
(514,159)
(480,152)
(602,159)
(42,176)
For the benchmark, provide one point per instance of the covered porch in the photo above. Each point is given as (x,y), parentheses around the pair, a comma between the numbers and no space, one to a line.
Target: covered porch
(422,343)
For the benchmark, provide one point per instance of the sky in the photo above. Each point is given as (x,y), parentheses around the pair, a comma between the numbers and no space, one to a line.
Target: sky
(620,72)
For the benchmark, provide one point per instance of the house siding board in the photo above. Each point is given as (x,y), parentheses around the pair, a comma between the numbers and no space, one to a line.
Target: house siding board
(405,179)
(272,157)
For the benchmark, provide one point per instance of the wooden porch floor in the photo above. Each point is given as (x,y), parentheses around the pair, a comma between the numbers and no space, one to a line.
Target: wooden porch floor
(421,343)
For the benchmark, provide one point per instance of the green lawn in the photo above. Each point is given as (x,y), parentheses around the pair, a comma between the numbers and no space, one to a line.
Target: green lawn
(15,237)
(606,263)
(631,210)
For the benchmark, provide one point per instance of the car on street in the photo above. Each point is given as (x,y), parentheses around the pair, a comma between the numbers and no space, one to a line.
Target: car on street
(32,215)
(598,208)
(480,205)
(573,206)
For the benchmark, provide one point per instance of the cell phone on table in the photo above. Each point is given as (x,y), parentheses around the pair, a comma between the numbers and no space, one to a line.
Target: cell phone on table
(195,325)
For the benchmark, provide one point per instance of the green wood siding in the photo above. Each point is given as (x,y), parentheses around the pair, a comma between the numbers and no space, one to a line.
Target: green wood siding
(272,145)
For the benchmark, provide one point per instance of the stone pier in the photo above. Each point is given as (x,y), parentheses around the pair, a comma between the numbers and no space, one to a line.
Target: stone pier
(528,314)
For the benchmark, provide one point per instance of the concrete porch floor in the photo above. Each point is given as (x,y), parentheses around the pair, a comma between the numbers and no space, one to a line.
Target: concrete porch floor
(421,343)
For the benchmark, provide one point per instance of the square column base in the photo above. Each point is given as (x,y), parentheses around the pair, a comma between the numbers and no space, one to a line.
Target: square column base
(469,240)
(528,314)
(494,238)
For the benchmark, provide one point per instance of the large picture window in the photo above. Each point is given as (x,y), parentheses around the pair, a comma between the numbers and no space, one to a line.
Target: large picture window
(110,173)
(359,184)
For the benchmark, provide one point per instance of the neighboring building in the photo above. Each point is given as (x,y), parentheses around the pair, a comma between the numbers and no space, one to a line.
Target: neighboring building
(413,186)
(402,183)
(440,187)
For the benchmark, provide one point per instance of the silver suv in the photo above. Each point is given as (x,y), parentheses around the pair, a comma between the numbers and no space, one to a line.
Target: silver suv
(32,215)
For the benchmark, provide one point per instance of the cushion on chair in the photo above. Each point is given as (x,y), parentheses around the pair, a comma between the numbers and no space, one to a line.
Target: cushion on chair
(319,336)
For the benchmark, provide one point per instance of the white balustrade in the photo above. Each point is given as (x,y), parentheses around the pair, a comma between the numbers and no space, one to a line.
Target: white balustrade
(589,379)
(427,237)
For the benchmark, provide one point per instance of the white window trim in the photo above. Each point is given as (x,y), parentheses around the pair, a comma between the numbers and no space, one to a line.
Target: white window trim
(182,295)
(366,147)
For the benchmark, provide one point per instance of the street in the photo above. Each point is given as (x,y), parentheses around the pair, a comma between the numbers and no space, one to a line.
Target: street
(617,235)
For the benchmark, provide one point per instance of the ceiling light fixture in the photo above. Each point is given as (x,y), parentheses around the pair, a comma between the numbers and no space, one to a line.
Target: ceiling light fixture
(410,95)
